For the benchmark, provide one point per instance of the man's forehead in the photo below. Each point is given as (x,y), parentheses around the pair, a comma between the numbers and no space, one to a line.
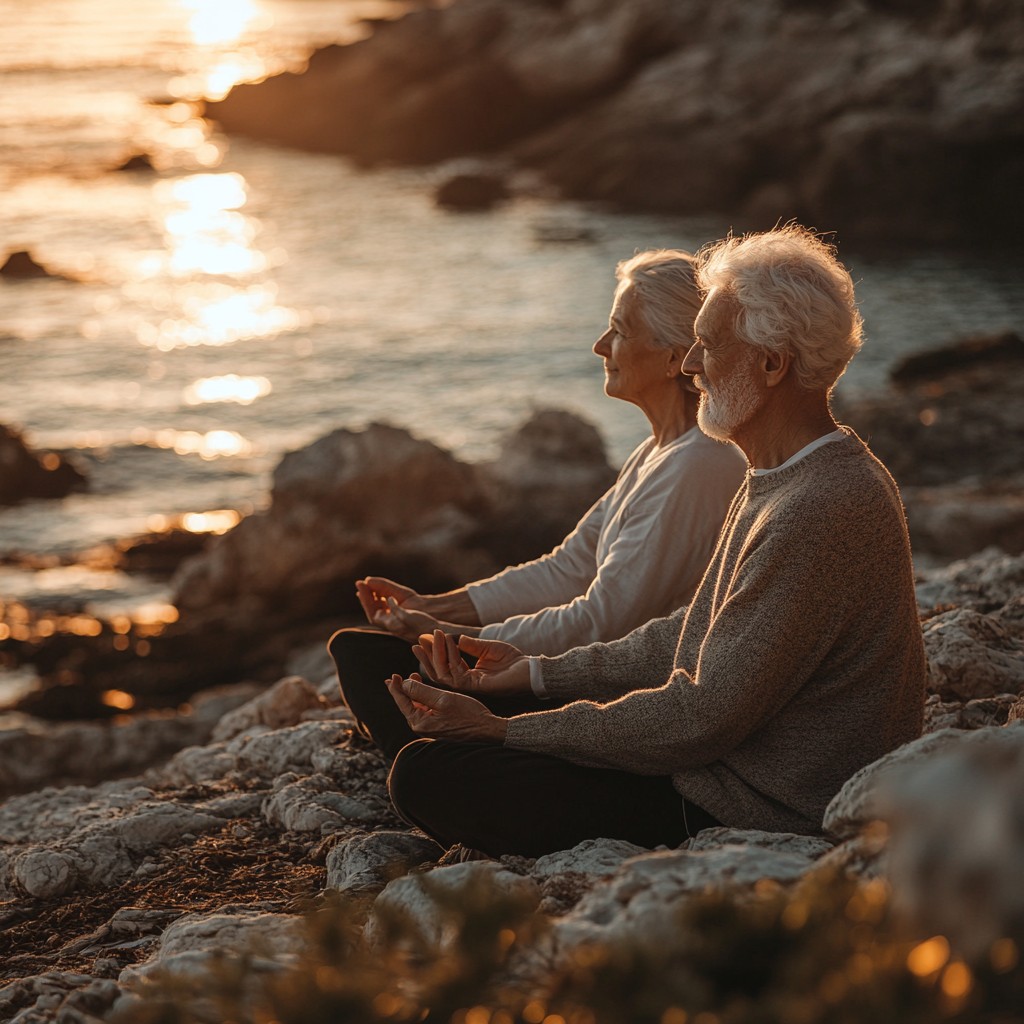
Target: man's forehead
(716,310)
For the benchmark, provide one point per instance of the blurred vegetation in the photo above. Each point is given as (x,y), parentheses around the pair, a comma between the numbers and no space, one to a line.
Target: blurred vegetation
(828,951)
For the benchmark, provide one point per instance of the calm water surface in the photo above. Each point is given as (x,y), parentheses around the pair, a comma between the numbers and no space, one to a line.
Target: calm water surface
(243,300)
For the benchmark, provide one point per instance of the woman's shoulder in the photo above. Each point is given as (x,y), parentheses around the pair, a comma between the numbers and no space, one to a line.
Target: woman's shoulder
(698,450)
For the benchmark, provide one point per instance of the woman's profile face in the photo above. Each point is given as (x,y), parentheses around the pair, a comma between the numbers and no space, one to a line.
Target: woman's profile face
(635,368)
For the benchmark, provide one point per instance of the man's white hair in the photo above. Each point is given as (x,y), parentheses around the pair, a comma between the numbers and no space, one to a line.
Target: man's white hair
(792,295)
(663,286)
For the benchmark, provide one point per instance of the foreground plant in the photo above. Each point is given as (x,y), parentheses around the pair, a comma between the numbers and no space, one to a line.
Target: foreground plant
(828,951)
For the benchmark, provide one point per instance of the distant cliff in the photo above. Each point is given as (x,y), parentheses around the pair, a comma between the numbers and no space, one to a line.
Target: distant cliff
(878,119)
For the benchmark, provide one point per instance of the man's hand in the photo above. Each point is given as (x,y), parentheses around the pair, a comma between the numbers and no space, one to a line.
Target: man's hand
(443,715)
(501,669)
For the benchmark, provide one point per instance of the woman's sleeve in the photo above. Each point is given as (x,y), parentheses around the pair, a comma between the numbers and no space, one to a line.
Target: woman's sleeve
(553,579)
(669,525)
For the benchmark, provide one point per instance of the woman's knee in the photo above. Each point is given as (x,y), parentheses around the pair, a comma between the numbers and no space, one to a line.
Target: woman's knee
(345,643)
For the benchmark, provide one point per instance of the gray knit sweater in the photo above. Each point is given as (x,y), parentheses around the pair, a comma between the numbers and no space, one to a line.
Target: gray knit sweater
(798,661)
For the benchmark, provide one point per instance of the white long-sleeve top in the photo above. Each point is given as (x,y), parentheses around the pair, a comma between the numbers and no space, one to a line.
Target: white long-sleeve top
(638,554)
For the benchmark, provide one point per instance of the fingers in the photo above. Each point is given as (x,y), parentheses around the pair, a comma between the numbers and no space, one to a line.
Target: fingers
(405,705)
(474,645)
(367,600)
(384,588)
(394,608)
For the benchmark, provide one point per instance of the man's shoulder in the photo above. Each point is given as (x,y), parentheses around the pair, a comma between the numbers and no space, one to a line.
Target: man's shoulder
(841,486)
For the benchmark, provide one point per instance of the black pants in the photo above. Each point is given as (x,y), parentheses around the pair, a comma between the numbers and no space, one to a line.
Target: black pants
(499,799)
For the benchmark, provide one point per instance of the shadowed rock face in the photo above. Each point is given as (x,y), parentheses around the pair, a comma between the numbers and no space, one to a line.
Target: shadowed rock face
(884,118)
(951,432)
(26,474)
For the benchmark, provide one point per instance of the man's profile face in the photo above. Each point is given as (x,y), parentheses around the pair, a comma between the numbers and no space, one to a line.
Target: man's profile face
(723,368)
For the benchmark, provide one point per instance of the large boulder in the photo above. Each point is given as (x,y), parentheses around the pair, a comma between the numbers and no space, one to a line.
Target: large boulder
(353,499)
(27,474)
(380,500)
(957,840)
(547,473)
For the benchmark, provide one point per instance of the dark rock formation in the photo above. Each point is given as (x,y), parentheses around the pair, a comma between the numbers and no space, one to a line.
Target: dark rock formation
(27,474)
(951,433)
(22,265)
(471,192)
(879,119)
(136,162)
(546,475)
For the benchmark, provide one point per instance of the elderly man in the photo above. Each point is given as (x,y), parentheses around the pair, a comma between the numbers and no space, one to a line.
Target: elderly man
(798,661)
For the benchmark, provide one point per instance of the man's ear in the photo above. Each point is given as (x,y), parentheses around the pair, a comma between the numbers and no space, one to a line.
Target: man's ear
(775,366)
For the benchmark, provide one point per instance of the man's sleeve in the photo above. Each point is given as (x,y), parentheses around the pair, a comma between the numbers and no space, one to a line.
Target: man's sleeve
(776,626)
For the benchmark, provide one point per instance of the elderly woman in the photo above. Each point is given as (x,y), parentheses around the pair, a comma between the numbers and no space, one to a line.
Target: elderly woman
(639,552)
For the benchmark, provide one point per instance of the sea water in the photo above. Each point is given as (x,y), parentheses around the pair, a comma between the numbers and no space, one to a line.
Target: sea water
(242,300)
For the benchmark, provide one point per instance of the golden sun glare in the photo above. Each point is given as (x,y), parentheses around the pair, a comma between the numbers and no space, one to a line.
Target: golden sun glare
(219,22)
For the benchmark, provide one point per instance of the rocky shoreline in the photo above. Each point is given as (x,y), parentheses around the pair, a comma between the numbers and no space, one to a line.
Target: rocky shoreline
(884,120)
(107,889)
(137,851)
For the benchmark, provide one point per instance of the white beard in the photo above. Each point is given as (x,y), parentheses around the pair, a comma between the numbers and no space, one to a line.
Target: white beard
(726,409)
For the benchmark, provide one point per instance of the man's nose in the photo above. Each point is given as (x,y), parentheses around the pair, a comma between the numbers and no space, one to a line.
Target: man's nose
(694,361)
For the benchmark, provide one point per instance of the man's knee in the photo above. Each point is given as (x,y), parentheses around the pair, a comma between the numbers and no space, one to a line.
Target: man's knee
(413,783)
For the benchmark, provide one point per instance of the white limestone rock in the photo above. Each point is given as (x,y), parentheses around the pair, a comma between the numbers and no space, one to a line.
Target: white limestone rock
(282,705)
(311,804)
(971,655)
(101,851)
(419,900)
(640,903)
(956,846)
(592,857)
(193,765)
(192,944)
(63,996)
(985,581)
(44,873)
(811,847)
(646,887)
(270,754)
(858,802)
(371,861)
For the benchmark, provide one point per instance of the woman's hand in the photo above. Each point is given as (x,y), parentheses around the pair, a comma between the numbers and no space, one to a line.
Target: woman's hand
(375,591)
(500,669)
(443,715)
(403,622)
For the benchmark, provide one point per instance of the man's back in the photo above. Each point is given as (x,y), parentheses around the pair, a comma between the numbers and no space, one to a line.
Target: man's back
(804,636)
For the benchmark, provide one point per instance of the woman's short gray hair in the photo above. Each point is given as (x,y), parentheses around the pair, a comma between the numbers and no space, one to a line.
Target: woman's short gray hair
(663,284)
(792,295)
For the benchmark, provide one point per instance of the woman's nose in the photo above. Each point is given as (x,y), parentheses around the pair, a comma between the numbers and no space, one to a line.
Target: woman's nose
(601,346)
